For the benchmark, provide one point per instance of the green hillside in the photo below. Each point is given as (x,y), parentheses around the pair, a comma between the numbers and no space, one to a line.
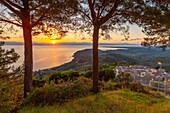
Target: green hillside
(82,60)
(120,101)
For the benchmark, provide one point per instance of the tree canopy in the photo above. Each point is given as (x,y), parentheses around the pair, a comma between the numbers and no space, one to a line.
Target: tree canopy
(100,17)
(34,17)
(111,15)
(43,14)
(154,17)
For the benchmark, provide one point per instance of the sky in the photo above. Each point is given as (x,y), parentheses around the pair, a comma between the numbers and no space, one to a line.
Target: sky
(136,36)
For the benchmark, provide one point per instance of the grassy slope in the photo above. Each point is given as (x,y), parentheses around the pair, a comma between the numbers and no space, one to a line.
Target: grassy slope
(110,102)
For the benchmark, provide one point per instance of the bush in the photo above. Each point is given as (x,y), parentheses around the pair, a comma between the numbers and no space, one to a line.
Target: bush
(122,85)
(88,74)
(124,77)
(69,75)
(106,74)
(63,76)
(135,87)
(50,94)
(107,86)
(55,77)
(38,83)
(11,95)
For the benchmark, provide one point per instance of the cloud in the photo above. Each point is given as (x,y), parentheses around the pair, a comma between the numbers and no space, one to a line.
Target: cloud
(132,39)
(58,38)
(83,38)
(123,40)
(61,34)
(135,39)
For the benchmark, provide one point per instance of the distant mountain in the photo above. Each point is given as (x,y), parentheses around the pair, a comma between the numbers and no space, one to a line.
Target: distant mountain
(21,43)
(13,43)
(67,43)
(83,60)
(133,55)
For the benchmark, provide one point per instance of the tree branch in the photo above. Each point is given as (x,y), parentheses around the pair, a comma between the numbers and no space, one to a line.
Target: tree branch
(109,15)
(10,22)
(102,8)
(83,12)
(98,11)
(34,8)
(38,20)
(14,5)
(91,6)
(86,15)
(18,13)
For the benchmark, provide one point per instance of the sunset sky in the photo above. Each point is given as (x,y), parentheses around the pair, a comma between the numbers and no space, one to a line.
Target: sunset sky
(136,37)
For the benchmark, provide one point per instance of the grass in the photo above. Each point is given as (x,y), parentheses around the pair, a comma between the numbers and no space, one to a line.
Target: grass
(120,101)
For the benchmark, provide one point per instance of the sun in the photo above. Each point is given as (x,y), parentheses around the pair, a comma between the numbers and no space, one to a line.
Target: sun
(53,42)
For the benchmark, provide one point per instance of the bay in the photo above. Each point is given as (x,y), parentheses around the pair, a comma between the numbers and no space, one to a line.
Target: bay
(49,56)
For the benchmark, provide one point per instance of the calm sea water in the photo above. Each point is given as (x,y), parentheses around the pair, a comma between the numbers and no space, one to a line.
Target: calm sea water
(50,56)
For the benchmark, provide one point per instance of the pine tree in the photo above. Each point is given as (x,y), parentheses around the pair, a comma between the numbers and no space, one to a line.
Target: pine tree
(7,58)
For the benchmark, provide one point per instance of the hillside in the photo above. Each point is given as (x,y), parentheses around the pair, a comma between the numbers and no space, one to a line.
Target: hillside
(120,101)
(82,60)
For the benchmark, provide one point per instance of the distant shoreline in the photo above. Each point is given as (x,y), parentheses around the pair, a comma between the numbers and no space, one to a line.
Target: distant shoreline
(69,43)
(46,56)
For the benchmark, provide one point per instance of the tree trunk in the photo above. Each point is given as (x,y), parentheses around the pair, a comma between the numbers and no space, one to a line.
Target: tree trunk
(95,58)
(28,60)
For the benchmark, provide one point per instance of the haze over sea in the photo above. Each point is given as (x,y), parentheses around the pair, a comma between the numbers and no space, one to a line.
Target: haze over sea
(49,56)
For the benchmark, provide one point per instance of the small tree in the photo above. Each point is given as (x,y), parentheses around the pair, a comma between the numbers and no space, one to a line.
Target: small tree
(31,15)
(11,80)
(103,16)
(8,57)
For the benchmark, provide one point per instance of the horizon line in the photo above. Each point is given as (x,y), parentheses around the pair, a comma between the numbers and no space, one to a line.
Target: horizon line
(65,43)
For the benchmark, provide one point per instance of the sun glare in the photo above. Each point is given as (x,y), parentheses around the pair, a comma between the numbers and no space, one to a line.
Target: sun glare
(53,42)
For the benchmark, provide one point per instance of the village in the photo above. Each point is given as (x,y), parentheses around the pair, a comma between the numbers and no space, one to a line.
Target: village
(154,78)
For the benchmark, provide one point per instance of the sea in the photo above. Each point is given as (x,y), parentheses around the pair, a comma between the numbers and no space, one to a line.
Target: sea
(46,56)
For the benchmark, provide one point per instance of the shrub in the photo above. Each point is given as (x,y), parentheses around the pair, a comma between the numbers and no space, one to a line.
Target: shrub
(46,78)
(63,76)
(107,86)
(55,77)
(122,85)
(50,94)
(69,75)
(106,74)
(88,74)
(137,87)
(124,77)
(11,95)
(38,83)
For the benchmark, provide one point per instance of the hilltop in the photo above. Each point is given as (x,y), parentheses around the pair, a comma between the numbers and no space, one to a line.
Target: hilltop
(120,101)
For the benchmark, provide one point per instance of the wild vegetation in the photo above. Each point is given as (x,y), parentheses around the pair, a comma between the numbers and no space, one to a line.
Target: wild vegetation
(57,88)
(119,101)
(11,81)
(54,91)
